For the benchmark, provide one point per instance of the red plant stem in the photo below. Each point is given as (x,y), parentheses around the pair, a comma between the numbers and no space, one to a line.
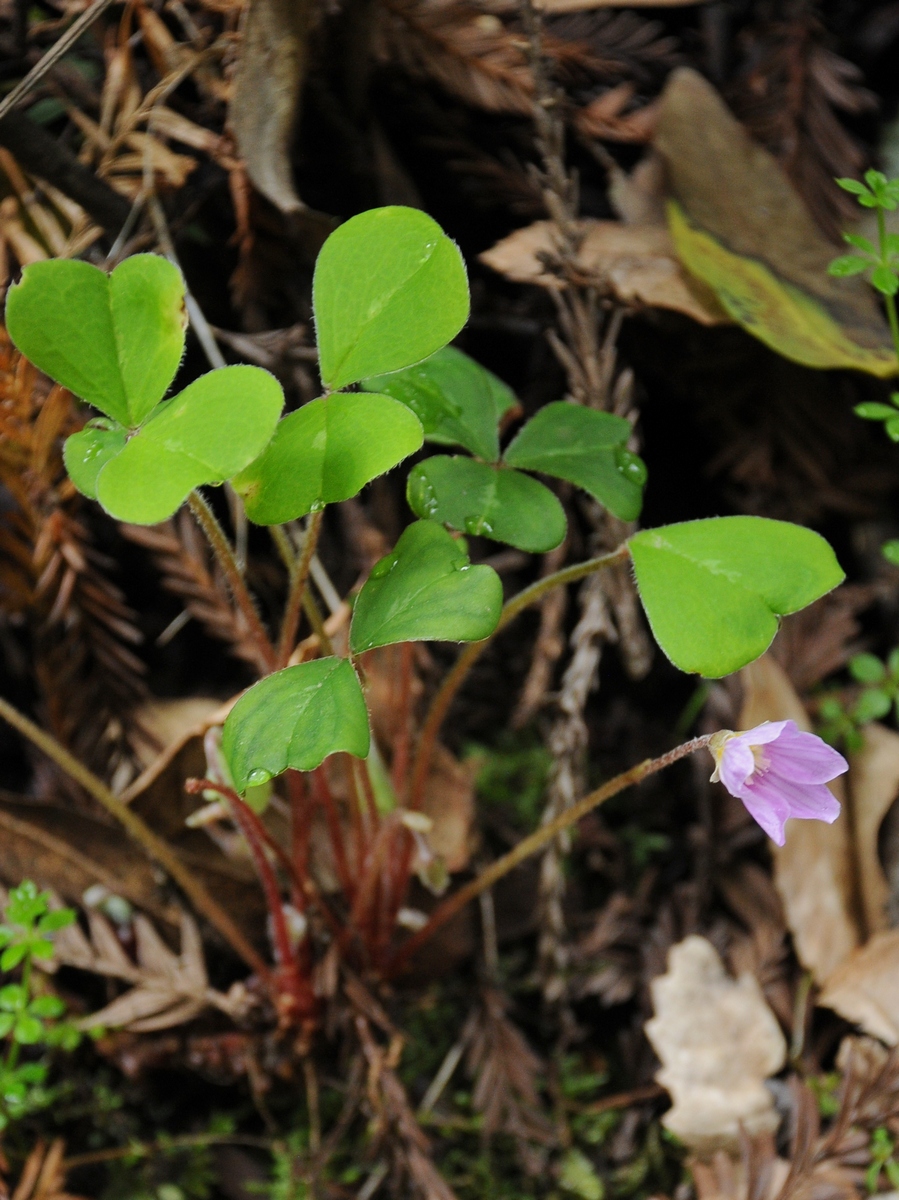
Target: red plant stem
(257,839)
(400,765)
(291,620)
(537,840)
(447,691)
(361,914)
(335,830)
(300,833)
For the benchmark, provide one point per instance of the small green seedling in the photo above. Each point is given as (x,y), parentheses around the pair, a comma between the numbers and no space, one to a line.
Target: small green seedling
(880,264)
(390,292)
(882,1149)
(28,1017)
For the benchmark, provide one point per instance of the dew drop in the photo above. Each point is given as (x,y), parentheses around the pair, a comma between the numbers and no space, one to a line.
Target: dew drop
(316,506)
(422,496)
(382,568)
(631,466)
(258,776)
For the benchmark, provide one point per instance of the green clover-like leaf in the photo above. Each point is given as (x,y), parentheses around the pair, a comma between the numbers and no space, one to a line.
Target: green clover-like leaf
(389,289)
(295,718)
(426,590)
(205,435)
(487,501)
(324,452)
(459,402)
(114,340)
(713,590)
(587,448)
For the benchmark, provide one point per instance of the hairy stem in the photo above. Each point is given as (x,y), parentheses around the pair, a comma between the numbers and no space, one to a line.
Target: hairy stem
(150,842)
(540,838)
(469,656)
(299,576)
(224,554)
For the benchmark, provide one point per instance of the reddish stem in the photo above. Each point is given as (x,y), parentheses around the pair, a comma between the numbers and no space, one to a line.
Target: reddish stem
(335,830)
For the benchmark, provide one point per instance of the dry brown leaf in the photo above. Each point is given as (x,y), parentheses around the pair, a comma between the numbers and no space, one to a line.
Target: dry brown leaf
(69,852)
(874,783)
(736,191)
(267,91)
(636,263)
(813,869)
(865,988)
(168,990)
(718,1042)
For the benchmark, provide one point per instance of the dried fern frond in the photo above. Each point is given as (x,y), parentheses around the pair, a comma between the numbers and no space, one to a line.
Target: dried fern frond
(482,58)
(168,989)
(54,580)
(184,561)
(506,1071)
(790,96)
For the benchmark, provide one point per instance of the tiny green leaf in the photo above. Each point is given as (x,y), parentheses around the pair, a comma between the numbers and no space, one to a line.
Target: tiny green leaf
(892,429)
(713,589)
(86,453)
(867,668)
(848,264)
(295,718)
(872,705)
(326,451)
(854,186)
(487,501)
(863,243)
(206,434)
(426,590)
(389,289)
(885,280)
(871,410)
(890,551)
(114,340)
(585,447)
(459,402)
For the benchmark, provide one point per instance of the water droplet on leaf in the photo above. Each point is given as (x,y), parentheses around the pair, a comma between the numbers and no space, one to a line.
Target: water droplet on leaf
(631,466)
(258,776)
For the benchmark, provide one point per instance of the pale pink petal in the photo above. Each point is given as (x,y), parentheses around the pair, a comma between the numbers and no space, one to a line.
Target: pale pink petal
(812,801)
(768,731)
(736,764)
(804,758)
(766,806)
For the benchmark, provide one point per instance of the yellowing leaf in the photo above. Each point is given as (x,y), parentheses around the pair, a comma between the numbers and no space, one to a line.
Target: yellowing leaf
(777,313)
(743,230)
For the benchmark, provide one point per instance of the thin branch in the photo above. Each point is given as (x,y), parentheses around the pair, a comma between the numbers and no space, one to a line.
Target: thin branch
(221,548)
(299,577)
(469,656)
(53,55)
(537,840)
(151,843)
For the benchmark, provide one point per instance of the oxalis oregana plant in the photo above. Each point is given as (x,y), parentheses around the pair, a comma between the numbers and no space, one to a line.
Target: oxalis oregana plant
(390,293)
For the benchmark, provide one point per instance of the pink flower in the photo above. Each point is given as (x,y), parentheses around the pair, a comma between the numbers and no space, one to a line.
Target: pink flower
(778,772)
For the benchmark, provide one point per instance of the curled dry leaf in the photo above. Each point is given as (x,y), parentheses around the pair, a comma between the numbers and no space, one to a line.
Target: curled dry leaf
(168,990)
(269,81)
(739,224)
(813,870)
(718,1042)
(637,263)
(865,988)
